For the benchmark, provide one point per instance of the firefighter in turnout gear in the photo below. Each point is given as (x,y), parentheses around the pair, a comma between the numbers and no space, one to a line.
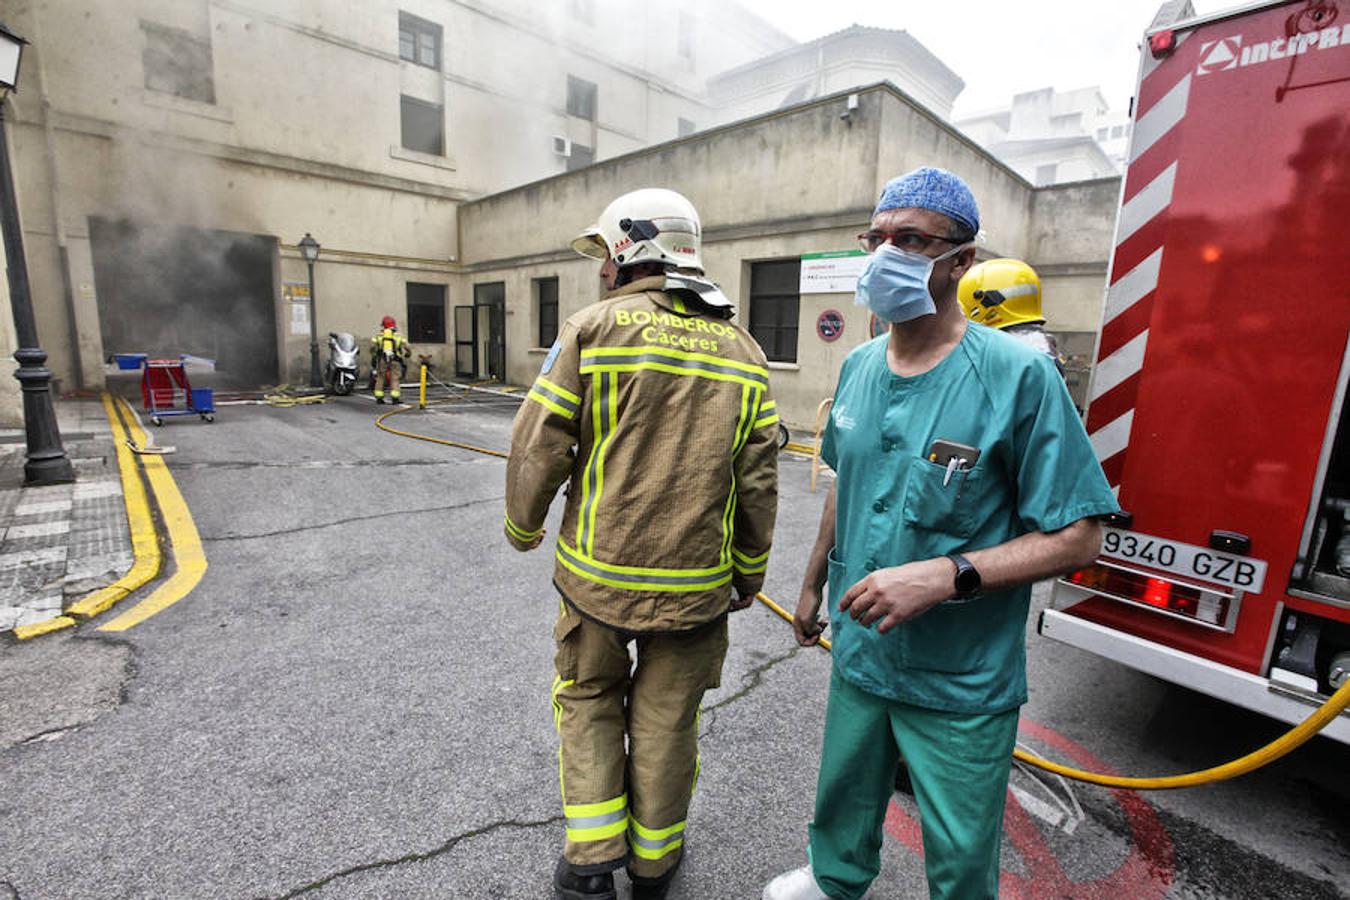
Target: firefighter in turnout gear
(1006,294)
(388,352)
(655,409)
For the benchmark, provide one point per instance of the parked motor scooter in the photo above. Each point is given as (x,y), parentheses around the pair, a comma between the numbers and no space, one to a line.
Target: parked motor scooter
(340,374)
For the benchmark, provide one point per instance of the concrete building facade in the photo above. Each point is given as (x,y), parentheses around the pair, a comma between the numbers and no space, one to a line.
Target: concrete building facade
(1051,137)
(170,154)
(809,191)
(849,58)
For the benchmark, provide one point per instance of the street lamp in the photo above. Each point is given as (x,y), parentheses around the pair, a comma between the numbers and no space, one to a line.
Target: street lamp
(309,249)
(46,462)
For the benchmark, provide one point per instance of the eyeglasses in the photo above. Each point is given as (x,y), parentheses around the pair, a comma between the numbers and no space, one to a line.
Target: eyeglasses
(910,240)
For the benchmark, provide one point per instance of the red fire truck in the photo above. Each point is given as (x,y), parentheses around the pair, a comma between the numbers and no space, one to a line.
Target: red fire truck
(1217,404)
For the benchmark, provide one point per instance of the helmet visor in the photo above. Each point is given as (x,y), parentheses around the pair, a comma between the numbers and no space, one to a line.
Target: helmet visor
(590,243)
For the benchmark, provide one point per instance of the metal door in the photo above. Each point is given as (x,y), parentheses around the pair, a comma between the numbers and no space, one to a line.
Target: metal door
(466,342)
(490,299)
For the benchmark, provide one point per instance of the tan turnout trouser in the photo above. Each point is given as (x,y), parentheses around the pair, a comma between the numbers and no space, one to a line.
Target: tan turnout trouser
(629,806)
(387,377)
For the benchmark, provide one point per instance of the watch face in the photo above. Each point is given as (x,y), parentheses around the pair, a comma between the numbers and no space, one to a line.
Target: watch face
(967,578)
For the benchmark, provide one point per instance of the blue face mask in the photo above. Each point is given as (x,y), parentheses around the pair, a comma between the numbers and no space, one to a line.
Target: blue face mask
(894,284)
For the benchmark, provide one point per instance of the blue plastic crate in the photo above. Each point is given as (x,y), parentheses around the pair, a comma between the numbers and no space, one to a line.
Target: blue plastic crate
(130,360)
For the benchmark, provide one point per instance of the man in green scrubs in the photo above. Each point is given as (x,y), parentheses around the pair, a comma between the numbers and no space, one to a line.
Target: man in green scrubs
(964,475)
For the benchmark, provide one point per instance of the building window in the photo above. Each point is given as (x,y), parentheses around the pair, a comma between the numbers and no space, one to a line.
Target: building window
(1103,133)
(582,156)
(684,37)
(775,301)
(426,313)
(419,41)
(581,96)
(423,126)
(685,127)
(177,63)
(1046,174)
(1118,131)
(546,296)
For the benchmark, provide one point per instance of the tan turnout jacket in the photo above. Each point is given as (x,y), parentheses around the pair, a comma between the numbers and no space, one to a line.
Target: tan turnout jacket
(658,415)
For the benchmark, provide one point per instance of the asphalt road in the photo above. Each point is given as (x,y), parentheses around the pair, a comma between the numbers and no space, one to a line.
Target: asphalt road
(354,703)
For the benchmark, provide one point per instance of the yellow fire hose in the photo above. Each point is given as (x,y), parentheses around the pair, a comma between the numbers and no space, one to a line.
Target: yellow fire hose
(379,423)
(1286,743)
(1281,746)
(284,396)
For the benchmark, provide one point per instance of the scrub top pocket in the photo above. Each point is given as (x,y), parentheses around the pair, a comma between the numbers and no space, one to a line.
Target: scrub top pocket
(949,508)
(836,582)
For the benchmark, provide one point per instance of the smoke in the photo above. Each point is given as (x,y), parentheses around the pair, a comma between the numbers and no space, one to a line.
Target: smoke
(182,200)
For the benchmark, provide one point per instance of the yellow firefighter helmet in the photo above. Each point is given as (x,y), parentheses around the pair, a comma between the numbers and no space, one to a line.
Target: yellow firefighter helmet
(1001,292)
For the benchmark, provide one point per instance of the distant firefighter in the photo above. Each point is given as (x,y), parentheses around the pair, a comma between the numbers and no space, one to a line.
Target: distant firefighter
(388,352)
(1006,294)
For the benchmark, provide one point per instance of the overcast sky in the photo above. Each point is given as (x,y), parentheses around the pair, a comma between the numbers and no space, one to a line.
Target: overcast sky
(1001,47)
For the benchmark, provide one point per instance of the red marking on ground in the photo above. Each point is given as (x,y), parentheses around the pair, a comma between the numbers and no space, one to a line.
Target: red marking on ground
(1145,874)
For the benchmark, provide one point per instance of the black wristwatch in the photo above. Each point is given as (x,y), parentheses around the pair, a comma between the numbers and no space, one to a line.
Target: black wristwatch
(967,580)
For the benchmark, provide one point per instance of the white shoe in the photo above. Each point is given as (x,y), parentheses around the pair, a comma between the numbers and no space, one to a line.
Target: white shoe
(799,884)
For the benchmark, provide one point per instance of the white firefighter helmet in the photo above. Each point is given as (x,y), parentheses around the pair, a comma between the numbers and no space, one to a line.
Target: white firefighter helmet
(649,225)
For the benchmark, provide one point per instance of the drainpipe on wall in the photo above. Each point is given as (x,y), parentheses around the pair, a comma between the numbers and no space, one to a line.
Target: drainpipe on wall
(54,179)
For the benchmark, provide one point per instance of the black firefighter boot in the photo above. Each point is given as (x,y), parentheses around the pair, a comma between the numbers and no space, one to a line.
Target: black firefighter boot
(570,885)
(654,888)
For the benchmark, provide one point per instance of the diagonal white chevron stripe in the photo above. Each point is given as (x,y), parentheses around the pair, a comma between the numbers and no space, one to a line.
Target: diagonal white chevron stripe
(1112,437)
(1159,120)
(1132,288)
(1146,204)
(1119,365)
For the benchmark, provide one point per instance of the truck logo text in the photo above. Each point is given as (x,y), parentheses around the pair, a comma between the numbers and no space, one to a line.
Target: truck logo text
(1229,53)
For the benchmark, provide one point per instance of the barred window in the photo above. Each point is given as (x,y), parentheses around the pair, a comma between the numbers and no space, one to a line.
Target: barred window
(546,293)
(426,313)
(419,41)
(775,304)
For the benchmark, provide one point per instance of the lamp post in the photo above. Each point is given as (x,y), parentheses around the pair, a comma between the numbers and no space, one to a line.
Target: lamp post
(46,462)
(309,249)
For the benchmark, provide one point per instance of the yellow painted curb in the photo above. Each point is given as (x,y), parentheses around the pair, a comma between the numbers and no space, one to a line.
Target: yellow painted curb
(188,554)
(796,447)
(24,632)
(144,543)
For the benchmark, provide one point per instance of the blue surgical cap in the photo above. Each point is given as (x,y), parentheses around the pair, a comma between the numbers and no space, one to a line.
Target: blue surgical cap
(933,189)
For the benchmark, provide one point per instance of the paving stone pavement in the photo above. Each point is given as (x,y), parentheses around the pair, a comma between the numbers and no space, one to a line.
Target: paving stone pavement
(60,542)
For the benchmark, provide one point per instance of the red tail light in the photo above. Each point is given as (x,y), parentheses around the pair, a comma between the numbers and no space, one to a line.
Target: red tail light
(1201,605)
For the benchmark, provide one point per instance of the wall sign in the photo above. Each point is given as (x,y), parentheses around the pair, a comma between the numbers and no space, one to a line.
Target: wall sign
(829,325)
(296,294)
(831,273)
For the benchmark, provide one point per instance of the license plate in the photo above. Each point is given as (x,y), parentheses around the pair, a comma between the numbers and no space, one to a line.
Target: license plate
(1201,563)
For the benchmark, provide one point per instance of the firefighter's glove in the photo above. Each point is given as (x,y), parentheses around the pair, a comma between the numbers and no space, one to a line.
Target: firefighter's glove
(741,600)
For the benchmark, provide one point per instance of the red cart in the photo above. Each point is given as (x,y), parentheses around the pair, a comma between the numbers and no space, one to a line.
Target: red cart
(165,392)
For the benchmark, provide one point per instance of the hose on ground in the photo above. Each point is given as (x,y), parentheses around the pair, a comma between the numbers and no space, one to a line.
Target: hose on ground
(1286,743)
(285,396)
(379,423)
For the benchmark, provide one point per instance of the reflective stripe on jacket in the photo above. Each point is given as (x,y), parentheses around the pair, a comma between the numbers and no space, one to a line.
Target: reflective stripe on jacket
(389,341)
(661,421)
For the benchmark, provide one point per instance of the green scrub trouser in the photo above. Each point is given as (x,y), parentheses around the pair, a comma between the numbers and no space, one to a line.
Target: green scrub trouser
(626,804)
(959,765)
